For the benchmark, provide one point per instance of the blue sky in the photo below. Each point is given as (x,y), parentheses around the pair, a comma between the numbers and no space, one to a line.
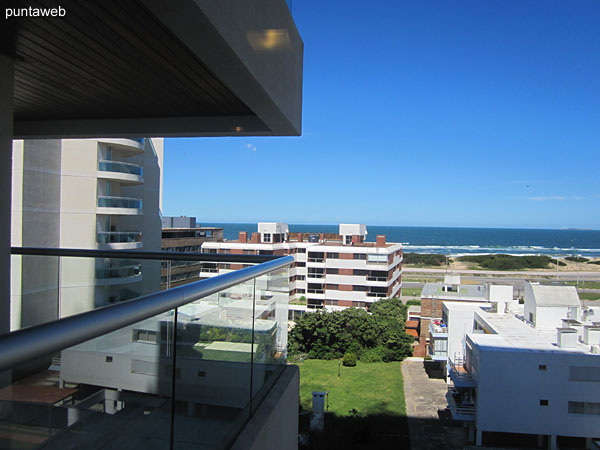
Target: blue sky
(433,113)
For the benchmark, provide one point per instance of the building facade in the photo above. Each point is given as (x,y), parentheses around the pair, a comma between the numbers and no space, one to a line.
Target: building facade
(517,378)
(86,194)
(184,235)
(433,332)
(332,271)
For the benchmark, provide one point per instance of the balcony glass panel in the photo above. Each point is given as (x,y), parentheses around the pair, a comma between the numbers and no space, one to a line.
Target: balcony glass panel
(203,367)
(119,270)
(110,237)
(119,202)
(121,167)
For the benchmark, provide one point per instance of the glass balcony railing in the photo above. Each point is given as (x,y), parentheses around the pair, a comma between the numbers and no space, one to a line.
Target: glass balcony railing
(121,167)
(173,369)
(110,237)
(119,202)
(119,271)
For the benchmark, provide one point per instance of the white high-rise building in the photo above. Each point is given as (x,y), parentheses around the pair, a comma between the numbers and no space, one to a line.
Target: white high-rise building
(86,194)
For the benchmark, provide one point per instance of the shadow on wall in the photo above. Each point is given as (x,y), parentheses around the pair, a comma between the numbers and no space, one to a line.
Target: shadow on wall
(434,369)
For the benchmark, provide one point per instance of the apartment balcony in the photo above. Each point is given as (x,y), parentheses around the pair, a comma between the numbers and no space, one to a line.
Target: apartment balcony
(315,278)
(200,366)
(119,240)
(438,331)
(377,281)
(124,206)
(127,147)
(461,404)
(123,172)
(459,375)
(118,273)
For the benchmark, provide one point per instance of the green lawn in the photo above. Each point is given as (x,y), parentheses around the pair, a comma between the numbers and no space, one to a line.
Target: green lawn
(585,284)
(369,388)
(589,296)
(412,292)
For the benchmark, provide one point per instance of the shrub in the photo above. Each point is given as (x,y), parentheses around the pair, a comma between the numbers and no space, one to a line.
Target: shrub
(355,348)
(594,262)
(511,262)
(580,259)
(349,360)
(372,355)
(424,259)
(413,302)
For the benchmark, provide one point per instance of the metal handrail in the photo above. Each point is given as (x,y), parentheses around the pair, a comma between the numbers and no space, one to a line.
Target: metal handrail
(129,254)
(21,346)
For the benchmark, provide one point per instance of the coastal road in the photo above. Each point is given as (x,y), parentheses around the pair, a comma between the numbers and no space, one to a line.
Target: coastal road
(516,275)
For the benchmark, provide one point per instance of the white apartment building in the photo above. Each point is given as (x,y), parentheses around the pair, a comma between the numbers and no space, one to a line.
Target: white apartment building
(511,375)
(332,271)
(86,194)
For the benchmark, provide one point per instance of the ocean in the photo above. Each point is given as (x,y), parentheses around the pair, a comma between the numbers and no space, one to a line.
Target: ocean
(462,241)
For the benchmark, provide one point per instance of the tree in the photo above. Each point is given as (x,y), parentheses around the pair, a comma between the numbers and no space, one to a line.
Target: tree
(329,335)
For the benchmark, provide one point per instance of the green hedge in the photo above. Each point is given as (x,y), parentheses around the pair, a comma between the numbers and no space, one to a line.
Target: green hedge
(511,262)
(424,259)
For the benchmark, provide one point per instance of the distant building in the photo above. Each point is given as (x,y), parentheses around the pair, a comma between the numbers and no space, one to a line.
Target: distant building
(514,375)
(183,235)
(332,271)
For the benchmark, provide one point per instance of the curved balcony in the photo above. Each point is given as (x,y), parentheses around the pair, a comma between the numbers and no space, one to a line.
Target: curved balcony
(119,205)
(124,172)
(119,273)
(119,240)
(133,146)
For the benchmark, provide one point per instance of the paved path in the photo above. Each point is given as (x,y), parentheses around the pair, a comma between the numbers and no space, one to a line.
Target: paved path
(428,420)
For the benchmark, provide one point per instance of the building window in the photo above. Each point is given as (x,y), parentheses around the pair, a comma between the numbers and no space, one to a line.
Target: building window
(266,237)
(332,271)
(317,257)
(145,336)
(109,359)
(360,256)
(348,239)
(333,255)
(301,250)
(316,272)
(542,367)
(543,402)
(584,373)
(375,258)
(584,408)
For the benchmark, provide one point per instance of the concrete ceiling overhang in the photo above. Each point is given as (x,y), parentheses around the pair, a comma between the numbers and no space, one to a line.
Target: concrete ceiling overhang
(130,68)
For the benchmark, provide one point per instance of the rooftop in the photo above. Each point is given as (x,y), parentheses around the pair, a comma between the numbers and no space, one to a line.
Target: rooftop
(466,292)
(515,334)
(555,295)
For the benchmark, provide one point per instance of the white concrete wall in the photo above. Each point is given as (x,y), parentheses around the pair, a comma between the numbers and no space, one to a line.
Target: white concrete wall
(511,385)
